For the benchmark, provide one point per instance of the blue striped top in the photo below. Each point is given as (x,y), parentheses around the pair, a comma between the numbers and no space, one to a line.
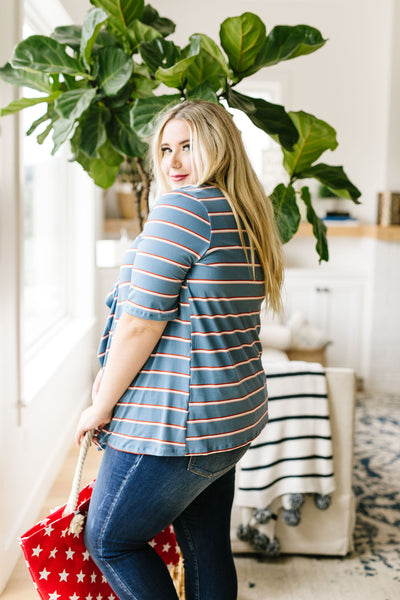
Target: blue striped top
(203,388)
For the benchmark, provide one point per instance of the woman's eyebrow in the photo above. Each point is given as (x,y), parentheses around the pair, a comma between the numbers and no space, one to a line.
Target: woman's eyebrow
(179,143)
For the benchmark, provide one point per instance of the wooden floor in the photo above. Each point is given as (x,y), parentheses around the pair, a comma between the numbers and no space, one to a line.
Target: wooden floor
(286,578)
(20,586)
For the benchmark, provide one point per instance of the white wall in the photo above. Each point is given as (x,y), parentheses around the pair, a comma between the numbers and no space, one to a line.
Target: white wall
(353,82)
(345,83)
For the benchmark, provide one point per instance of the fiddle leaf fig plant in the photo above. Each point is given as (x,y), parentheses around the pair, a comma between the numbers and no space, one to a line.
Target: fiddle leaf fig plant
(99,84)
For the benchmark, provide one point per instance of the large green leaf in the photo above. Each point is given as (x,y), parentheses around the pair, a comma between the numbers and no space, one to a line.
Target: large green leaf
(175,76)
(122,136)
(90,30)
(115,69)
(286,42)
(61,132)
(203,91)
(42,54)
(335,179)
(20,77)
(70,35)
(315,137)
(93,132)
(145,111)
(143,84)
(286,211)
(139,32)
(122,12)
(271,118)
(22,103)
(111,157)
(151,17)
(72,104)
(209,64)
(159,53)
(242,39)
(103,175)
(102,170)
(319,228)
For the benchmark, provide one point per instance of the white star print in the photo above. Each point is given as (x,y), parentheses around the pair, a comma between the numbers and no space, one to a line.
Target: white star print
(64,533)
(103,579)
(48,530)
(152,543)
(70,553)
(80,577)
(99,597)
(74,597)
(36,551)
(54,596)
(53,553)
(85,555)
(44,574)
(93,577)
(89,597)
(111,597)
(166,547)
(63,575)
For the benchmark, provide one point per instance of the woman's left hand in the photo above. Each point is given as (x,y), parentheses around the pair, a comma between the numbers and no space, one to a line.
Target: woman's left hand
(91,418)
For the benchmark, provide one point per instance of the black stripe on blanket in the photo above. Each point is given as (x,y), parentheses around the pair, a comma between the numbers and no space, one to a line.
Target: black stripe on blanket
(267,466)
(289,439)
(295,374)
(265,487)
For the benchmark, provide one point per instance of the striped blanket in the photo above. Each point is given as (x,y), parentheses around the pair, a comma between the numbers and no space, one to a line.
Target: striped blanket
(293,454)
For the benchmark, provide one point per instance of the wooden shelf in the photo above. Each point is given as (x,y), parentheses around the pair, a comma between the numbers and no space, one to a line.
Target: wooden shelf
(390,233)
(113,227)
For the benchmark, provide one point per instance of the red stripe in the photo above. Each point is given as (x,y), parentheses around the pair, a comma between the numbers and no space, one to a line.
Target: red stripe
(228,417)
(228,433)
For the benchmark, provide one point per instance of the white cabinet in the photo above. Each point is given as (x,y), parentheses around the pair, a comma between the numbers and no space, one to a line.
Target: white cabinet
(335,303)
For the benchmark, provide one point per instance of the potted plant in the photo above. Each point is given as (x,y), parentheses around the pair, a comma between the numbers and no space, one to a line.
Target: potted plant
(99,86)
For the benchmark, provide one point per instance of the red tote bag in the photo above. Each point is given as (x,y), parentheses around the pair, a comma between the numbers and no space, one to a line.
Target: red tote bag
(54,551)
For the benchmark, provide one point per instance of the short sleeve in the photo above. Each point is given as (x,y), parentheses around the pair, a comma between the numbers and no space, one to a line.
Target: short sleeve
(176,235)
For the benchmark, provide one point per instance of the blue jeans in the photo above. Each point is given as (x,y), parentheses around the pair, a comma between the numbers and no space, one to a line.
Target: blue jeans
(136,496)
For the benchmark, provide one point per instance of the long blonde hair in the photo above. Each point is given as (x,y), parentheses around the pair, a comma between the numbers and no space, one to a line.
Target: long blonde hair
(221,160)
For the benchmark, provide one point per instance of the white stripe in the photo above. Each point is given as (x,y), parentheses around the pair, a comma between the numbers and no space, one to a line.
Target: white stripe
(228,417)
(221,385)
(228,433)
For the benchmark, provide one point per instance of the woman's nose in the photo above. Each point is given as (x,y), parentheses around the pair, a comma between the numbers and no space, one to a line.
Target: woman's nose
(175,160)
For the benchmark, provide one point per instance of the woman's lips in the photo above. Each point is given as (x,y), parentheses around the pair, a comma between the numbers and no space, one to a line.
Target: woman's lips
(178,177)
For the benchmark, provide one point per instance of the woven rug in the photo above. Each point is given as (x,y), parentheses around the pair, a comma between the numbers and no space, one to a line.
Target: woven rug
(377,485)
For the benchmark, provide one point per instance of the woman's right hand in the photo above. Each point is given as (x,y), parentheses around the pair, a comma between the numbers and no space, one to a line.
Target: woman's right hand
(91,418)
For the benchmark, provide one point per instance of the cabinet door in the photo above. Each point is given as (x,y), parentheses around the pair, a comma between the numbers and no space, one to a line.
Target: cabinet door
(335,306)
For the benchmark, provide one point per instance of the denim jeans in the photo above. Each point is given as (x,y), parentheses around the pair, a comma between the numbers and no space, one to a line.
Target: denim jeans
(136,496)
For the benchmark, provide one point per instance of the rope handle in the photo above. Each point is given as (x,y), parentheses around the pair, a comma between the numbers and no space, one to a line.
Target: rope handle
(76,482)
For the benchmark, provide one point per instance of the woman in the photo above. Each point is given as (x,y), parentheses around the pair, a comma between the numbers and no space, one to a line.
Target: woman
(182,391)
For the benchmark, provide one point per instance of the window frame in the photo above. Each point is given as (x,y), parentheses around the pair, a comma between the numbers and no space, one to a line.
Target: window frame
(45,356)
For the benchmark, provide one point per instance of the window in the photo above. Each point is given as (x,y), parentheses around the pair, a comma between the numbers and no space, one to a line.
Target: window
(45,223)
(265,154)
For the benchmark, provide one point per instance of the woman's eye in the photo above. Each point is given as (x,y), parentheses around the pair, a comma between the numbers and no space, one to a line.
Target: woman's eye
(165,150)
(186,148)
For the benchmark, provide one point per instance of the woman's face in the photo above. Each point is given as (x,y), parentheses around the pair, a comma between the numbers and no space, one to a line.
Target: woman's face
(177,163)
